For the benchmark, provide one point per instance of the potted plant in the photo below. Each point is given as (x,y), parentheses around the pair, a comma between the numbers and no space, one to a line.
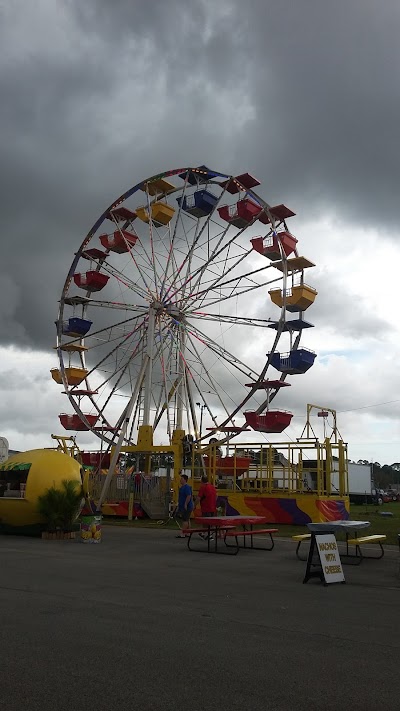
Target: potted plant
(60,508)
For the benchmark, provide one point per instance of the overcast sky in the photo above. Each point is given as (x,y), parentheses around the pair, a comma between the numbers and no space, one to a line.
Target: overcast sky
(96,96)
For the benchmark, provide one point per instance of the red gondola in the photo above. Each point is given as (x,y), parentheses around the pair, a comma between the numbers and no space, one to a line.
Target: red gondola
(241,213)
(279,212)
(121,214)
(240,182)
(94,253)
(228,466)
(91,281)
(269,246)
(271,421)
(119,242)
(96,459)
(74,422)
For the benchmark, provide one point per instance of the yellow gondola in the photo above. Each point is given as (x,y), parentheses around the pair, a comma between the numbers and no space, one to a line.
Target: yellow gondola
(161,213)
(74,375)
(298,298)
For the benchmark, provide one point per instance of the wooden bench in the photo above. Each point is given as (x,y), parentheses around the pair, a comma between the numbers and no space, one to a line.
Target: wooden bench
(254,532)
(362,540)
(300,538)
(188,533)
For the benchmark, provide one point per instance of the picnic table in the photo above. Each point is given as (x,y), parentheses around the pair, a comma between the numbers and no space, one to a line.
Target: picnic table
(211,535)
(351,529)
(228,525)
(345,525)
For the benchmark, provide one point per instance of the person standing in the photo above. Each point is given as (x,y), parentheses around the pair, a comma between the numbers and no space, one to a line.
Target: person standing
(218,450)
(185,504)
(207,497)
(138,483)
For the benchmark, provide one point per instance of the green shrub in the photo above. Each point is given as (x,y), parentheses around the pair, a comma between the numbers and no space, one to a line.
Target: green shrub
(60,507)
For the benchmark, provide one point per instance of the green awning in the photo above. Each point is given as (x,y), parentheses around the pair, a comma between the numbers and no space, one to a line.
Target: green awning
(9,466)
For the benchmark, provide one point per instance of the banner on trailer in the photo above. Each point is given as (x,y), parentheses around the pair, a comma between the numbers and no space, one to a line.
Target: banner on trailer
(330,558)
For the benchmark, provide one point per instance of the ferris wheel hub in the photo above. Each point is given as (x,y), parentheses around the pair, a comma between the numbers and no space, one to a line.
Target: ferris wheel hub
(171,310)
(174,312)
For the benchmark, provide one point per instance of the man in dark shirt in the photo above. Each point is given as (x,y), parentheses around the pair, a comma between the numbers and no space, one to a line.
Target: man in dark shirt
(185,504)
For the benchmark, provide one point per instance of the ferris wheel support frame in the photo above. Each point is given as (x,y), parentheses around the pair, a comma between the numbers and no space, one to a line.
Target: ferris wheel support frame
(117,450)
(149,366)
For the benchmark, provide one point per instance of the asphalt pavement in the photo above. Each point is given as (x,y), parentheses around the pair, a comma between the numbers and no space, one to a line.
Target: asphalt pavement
(140,623)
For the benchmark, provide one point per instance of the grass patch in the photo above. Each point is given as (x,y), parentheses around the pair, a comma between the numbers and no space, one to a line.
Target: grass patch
(389,526)
(140,523)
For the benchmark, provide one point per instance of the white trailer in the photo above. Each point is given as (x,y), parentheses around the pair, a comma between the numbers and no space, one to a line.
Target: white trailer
(360,482)
(3,449)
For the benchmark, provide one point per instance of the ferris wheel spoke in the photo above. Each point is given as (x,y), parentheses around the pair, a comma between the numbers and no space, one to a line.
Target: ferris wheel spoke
(176,276)
(188,258)
(190,276)
(115,305)
(170,257)
(176,388)
(234,283)
(111,353)
(190,251)
(193,249)
(153,255)
(94,335)
(220,271)
(158,268)
(260,378)
(125,281)
(197,384)
(140,268)
(200,251)
(214,275)
(221,351)
(190,405)
(235,293)
(218,250)
(209,380)
(123,368)
(165,392)
(226,318)
(212,257)
(221,283)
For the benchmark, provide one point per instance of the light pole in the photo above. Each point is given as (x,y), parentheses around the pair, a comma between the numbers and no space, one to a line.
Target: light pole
(202,408)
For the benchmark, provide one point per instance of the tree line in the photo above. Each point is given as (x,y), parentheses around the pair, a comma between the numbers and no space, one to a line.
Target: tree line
(384,475)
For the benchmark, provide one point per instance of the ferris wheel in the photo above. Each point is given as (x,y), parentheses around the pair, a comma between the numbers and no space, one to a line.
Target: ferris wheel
(183,298)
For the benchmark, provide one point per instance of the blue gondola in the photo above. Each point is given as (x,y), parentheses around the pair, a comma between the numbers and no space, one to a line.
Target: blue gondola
(199,204)
(76,327)
(296,362)
(194,178)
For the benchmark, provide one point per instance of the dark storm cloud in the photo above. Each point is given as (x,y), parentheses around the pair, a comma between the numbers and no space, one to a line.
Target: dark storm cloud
(98,95)
(324,78)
